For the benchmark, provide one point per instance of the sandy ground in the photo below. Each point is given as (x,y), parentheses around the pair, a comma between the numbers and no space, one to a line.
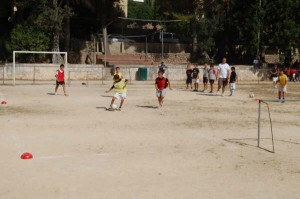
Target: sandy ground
(196,146)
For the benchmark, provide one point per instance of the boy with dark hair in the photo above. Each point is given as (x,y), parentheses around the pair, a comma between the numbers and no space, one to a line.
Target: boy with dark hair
(274,75)
(118,72)
(120,90)
(189,78)
(205,77)
(60,79)
(196,77)
(212,77)
(232,81)
(282,81)
(161,85)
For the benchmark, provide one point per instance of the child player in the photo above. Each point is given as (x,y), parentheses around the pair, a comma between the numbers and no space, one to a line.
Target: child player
(120,90)
(189,79)
(232,81)
(60,79)
(205,77)
(212,77)
(118,72)
(161,85)
(282,80)
(196,77)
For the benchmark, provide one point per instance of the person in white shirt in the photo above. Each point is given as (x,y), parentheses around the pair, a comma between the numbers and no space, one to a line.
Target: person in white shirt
(223,75)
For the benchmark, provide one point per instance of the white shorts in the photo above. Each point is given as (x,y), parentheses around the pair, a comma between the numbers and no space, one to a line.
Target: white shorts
(119,96)
(232,86)
(161,93)
(275,79)
(281,89)
(196,81)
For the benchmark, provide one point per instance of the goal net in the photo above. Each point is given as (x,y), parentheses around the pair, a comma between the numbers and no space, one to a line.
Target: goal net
(32,66)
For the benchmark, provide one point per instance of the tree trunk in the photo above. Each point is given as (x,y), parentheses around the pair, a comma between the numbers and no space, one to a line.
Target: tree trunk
(67,30)
(194,38)
(56,58)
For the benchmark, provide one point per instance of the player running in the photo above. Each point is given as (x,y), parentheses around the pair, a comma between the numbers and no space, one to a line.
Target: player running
(120,90)
(161,85)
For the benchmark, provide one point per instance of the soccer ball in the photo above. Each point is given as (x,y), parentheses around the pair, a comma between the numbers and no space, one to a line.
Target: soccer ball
(114,106)
(251,95)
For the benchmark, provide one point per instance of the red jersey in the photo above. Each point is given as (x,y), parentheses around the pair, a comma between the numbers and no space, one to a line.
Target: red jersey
(294,71)
(162,83)
(60,75)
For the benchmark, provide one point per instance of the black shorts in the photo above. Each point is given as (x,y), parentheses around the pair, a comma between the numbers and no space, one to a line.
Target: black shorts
(60,83)
(211,81)
(189,80)
(205,80)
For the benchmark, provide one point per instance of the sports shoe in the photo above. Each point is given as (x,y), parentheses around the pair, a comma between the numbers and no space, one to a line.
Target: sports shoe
(66,94)
(223,95)
(55,93)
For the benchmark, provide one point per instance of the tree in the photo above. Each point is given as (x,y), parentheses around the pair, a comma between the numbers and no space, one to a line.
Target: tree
(104,11)
(49,18)
(282,26)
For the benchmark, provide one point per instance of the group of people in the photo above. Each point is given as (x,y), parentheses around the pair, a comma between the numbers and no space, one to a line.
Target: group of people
(292,73)
(223,75)
(119,86)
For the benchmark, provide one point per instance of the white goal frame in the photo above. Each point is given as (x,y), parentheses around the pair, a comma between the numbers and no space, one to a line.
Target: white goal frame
(36,52)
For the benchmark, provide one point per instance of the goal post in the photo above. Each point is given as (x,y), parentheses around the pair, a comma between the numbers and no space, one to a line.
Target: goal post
(36,52)
(266,102)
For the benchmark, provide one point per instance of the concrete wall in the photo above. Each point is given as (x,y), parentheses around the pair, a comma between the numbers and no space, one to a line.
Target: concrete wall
(97,72)
(48,71)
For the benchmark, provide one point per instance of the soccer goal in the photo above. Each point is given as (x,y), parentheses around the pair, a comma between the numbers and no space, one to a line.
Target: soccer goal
(45,69)
(267,102)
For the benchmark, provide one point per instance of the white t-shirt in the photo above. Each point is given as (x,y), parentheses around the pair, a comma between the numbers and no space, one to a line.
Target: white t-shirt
(223,70)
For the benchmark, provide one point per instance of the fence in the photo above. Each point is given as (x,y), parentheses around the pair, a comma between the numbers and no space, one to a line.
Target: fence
(46,72)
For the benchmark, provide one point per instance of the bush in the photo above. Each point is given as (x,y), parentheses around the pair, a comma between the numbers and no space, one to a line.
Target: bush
(28,39)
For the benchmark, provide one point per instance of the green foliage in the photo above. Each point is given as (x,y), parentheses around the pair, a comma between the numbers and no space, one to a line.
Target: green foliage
(28,38)
(49,18)
(207,31)
(148,10)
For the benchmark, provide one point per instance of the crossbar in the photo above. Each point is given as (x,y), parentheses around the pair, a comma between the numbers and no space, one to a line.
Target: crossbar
(36,52)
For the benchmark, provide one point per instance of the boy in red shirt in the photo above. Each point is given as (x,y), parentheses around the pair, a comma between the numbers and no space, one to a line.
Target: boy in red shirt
(60,79)
(161,85)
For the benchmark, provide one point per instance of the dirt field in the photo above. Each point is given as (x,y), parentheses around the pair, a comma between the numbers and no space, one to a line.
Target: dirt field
(196,146)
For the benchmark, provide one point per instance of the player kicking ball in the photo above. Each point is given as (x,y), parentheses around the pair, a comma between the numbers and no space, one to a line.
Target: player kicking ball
(60,79)
(120,90)
(161,85)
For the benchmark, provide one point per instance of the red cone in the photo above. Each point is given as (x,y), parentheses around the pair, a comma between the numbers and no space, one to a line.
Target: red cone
(3,102)
(26,156)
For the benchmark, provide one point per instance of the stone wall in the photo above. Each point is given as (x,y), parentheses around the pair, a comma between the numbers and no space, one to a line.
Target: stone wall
(47,71)
(97,72)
